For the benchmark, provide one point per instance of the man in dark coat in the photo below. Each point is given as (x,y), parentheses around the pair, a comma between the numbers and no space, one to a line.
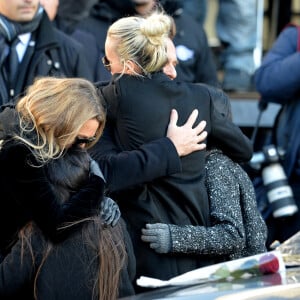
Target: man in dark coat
(42,50)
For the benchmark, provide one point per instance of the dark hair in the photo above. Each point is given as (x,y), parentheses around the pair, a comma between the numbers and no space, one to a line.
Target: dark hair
(66,174)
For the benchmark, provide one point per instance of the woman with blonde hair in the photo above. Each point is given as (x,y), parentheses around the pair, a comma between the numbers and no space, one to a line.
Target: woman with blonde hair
(51,221)
(54,116)
(139,100)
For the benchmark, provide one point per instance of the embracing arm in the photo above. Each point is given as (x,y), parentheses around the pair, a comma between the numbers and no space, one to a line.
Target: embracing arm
(226,235)
(152,160)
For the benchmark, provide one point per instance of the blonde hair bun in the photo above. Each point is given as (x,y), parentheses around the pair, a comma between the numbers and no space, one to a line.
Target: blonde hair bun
(142,41)
(156,28)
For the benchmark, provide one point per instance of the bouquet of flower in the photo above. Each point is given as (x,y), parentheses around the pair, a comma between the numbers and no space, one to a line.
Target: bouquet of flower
(267,263)
(256,265)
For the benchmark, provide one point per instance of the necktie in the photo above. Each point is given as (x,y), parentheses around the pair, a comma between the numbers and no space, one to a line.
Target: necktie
(13,62)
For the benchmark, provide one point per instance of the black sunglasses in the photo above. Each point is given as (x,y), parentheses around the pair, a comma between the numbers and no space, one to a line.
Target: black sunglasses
(106,63)
(80,141)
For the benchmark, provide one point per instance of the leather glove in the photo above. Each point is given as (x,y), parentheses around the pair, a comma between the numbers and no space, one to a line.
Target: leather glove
(95,169)
(110,212)
(159,237)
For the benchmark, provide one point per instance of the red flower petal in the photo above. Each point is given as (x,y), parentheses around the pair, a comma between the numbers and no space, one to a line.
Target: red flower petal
(268,264)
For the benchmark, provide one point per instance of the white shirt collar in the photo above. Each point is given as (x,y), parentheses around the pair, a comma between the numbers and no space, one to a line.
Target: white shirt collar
(25,38)
(22,45)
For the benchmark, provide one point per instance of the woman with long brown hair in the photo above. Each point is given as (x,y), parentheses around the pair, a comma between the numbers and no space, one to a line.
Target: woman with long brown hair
(91,263)
(52,116)
(53,193)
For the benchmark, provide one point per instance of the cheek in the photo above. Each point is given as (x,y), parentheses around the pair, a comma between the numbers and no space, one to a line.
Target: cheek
(170,71)
(116,68)
(89,128)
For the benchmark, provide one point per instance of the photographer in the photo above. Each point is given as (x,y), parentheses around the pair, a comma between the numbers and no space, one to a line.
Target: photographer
(278,81)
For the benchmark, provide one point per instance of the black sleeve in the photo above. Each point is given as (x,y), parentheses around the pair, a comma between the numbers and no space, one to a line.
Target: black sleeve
(34,193)
(228,137)
(126,168)
(129,271)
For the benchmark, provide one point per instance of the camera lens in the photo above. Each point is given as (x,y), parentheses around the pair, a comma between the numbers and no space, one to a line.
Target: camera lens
(279,192)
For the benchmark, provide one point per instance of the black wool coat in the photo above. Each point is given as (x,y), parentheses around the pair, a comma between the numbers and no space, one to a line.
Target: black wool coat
(26,195)
(138,113)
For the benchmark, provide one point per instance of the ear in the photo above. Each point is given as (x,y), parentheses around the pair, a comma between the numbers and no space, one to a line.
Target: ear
(131,68)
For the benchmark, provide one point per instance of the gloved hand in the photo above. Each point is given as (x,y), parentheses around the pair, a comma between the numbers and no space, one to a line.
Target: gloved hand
(159,237)
(95,169)
(110,212)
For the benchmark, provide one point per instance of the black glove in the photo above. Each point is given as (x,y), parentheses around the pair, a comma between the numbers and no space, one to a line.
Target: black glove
(95,169)
(159,237)
(110,212)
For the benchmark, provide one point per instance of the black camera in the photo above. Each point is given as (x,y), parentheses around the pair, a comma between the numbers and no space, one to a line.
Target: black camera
(279,193)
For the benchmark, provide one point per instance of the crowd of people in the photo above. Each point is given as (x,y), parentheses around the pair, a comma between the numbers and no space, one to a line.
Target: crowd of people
(118,156)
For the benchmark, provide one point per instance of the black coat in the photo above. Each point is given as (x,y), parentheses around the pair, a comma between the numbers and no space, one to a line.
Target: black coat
(89,45)
(123,169)
(68,272)
(54,54)
(138,113)
(26,195)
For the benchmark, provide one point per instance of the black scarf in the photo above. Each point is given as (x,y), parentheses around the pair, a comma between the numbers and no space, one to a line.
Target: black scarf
(10,29)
